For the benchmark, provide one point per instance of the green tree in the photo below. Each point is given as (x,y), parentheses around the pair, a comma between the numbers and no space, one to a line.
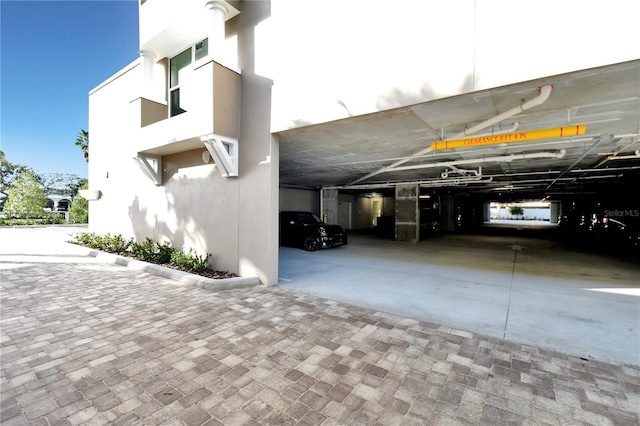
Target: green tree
(516,210)
(79,210)
(62,183)
(26,198)
(82,141)
(9,172)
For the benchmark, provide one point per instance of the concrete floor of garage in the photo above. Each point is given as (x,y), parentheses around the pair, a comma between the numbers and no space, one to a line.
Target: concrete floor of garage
(519,286)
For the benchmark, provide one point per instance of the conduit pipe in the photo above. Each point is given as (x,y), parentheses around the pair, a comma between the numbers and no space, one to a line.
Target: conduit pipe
(497,159)
(598,140)
(615,156)
(452,164)
(545,91)
(462,172)
(593,146)
(422,183)
(623,157)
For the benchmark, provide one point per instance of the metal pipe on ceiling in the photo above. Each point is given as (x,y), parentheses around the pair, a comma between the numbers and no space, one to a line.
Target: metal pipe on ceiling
(422,183)
(594,145)
(545,91)
(500,158)
(615,156)
(486,179)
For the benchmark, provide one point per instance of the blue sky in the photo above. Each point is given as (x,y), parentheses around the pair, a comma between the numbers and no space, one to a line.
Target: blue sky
(52,54)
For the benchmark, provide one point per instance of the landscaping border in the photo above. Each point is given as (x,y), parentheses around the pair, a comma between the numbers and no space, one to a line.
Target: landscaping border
(210,284)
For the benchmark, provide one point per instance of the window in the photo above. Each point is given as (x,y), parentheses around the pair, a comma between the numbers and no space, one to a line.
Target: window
(179,68)
(202,49)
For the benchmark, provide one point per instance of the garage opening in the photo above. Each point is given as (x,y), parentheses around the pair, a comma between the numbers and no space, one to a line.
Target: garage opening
(527,210)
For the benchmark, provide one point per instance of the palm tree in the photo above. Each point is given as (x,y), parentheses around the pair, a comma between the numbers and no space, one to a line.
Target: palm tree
(83,142)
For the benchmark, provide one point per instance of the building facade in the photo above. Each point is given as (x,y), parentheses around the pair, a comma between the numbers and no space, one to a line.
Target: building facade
(184,144)
(180,140)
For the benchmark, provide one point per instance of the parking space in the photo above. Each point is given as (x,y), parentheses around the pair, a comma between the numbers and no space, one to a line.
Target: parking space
(522,288)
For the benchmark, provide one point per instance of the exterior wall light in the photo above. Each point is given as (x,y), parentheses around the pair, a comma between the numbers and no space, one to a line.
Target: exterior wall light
(90,194)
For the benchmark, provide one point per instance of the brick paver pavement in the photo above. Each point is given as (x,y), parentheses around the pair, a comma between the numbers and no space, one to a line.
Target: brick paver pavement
(91,344)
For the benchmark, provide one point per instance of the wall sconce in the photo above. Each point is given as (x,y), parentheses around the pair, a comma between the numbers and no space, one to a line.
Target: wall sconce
(90,194)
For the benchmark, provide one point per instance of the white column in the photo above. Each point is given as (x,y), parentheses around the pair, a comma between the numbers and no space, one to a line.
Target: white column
(217,13)
(148,62)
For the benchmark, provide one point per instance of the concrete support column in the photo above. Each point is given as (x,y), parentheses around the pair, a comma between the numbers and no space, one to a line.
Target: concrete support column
(447,204)
(148,62)
(554,212)
(486,213)
(217,12)
(329,203)
(408,213)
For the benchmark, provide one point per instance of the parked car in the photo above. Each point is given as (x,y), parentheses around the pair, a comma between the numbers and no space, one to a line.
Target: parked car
(305,230)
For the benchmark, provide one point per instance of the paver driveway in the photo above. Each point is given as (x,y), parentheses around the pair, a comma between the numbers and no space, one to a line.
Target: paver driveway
(89,343)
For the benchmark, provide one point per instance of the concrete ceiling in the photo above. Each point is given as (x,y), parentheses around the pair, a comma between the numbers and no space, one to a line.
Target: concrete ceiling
(605,99)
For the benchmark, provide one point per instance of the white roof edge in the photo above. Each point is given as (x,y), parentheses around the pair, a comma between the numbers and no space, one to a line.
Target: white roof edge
(124,70)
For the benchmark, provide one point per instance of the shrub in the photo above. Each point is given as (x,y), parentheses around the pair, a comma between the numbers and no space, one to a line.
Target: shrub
(164,252)
(150,251)
(109,243)
(115,244)
(45,220)
(190,261)
(143,251)
(83,239)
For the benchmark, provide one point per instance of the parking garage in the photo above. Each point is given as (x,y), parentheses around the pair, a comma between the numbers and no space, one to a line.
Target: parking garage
(418,187)
(399,159)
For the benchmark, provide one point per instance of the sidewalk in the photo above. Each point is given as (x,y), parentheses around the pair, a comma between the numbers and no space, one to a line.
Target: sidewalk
(90,343)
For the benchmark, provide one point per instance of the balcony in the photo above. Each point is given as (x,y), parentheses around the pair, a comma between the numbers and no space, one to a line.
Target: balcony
(211,100)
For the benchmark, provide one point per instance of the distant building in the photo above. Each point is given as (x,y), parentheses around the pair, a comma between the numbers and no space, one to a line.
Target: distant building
(59,202)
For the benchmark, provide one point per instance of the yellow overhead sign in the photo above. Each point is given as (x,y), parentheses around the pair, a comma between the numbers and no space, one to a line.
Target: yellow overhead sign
(532,135)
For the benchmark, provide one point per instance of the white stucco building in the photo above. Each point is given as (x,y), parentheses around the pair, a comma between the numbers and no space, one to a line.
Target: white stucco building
(184,143)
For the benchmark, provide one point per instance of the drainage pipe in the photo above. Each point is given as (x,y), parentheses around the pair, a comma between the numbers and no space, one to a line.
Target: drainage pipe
(545,91)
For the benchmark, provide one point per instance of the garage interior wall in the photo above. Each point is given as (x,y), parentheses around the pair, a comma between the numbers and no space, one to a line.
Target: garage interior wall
(361,205)
(300,199)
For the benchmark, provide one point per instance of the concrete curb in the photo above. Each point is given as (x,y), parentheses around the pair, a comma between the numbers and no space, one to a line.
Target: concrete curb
(204,283)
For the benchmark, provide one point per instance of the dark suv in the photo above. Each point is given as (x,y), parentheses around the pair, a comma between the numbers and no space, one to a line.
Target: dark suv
(305,230)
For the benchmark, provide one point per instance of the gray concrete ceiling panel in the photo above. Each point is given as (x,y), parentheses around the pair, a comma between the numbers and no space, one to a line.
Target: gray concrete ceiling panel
(605,99)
